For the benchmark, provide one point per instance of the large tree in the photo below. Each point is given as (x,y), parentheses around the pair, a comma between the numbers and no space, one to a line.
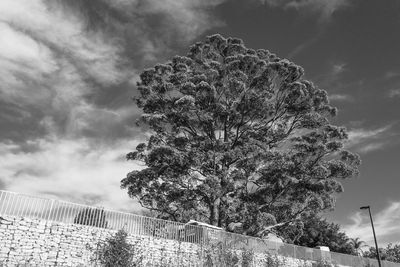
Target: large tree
(238,137)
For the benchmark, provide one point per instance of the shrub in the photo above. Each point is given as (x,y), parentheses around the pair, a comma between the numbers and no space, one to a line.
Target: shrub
(117,252)
(220,255)
(273,261)
(247,258)
(323,263)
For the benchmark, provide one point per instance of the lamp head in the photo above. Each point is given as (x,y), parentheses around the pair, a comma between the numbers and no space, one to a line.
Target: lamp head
(364,207)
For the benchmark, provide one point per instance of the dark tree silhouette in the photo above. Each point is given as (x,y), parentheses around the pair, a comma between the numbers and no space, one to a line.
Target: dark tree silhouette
(390,253)
(91,216)
(357,245)
(317,231)
(239,137)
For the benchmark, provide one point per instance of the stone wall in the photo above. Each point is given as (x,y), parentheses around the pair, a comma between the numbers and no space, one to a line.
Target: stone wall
(33,242)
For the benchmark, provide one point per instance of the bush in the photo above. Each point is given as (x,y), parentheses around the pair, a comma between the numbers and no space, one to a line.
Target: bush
(117,252)
(220,255)
(273,261)
(323,263)
(247,258)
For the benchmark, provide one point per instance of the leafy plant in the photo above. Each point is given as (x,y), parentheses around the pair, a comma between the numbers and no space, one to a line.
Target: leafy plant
(117,252)
(218,254)
(273,261)
(317,231)
(247,258)
(323,263)
(390,253)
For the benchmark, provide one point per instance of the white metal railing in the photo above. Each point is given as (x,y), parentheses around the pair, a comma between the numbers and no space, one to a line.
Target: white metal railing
(22,205)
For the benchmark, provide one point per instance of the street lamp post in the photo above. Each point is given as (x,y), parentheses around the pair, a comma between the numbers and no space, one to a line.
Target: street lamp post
(373,231)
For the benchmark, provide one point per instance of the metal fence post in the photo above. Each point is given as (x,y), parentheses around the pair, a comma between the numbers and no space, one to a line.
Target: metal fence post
(51,207)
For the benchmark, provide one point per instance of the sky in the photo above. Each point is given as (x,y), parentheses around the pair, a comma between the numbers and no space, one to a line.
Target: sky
(68,71)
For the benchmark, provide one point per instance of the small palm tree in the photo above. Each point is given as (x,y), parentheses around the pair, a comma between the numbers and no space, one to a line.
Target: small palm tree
(357,245)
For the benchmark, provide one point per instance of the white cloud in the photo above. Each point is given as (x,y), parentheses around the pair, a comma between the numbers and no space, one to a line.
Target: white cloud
(372,147)
(179,22)
(190,16)
(74,170)
(53,63)
(65,32)
(22,59)
(367,140)
(386,224)
(391,74)
(359,135)
(332,78)
(394,93)
(50,58)
(303,46)
(340,97)
(338,68)
(325,8)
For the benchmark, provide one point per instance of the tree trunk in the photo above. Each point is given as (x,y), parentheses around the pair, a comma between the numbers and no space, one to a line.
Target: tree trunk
(222,212)
(214,212)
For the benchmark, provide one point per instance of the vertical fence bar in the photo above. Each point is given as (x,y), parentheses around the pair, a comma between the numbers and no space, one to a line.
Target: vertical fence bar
(21,207)
(120,221)
(110,217)
(26,208)
(116,221)
(29,208)
(71,213)
(16,206)
(50,209)
(2,201)
(129,224)
(62,211)
(140,226)
(9,206)
(74,212)
(123,221)
(134,224)
(111,220)
(42,208)
(96,217)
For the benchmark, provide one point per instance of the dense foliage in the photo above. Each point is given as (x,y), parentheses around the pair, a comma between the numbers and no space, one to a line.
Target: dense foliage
(116,252)
(238,138)
(390,253)
(317,231)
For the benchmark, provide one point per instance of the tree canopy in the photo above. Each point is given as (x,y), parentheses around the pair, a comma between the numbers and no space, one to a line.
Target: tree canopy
(390,253)
(317,231)
(238,138)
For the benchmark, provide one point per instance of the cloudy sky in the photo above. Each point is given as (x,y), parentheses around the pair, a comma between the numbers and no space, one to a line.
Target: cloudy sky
(68,71)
